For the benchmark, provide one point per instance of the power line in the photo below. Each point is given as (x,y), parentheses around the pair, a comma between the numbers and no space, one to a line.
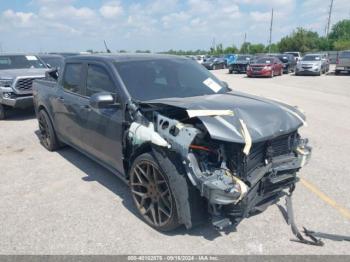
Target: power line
(329,18)
(271,31)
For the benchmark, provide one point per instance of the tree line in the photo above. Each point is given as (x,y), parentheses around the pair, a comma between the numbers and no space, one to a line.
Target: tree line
(301,40)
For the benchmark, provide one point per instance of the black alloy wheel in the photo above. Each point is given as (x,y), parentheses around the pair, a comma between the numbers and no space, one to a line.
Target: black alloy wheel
(152,195)
(47,134)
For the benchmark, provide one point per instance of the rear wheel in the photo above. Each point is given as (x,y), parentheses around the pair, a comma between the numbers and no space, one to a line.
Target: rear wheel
(152,194)
(337,72)
(48,136)
(2,112)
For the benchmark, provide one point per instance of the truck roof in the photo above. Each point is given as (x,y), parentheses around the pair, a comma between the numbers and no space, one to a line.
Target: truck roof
(14,54)
(123,57)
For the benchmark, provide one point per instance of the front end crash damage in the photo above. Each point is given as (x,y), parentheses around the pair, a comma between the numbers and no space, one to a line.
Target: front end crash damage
(235,179)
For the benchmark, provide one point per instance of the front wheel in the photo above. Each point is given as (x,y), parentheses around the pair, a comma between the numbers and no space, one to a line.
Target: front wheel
(2,112)
(152,195)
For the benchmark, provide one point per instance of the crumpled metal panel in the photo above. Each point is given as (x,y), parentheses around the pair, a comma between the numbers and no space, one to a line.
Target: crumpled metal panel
(263,117)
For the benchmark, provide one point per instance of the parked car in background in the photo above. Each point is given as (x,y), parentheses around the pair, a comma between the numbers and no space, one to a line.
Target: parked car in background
(265,66)
(52,61)
(228,58)
(231,60)
(240,64)
(17,73)
(297,55)
(200,59)
(193,153)
(214,63)
(312,64)
(343,62)
(288,61)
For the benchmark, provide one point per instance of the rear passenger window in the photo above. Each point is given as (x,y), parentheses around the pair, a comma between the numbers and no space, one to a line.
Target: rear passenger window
(98,80)
(72,78)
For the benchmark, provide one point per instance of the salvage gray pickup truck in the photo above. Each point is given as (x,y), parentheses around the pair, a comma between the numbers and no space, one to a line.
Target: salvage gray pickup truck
(191,149)
(17,73)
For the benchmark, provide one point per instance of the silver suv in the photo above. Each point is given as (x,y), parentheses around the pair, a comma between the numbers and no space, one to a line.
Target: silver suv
(312,64)
(17,73)
(343,62)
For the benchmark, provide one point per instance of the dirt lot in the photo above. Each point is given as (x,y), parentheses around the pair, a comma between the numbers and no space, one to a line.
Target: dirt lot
(63,203)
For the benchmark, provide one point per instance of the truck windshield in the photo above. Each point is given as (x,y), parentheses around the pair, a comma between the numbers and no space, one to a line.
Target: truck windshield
(243,58)
(166,78)
(20,62)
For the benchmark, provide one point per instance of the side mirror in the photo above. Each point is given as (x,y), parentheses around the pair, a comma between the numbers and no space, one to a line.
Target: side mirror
(51,74)
(102,100)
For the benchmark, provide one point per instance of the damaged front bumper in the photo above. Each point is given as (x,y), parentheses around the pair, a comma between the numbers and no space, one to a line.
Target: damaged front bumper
(239,199)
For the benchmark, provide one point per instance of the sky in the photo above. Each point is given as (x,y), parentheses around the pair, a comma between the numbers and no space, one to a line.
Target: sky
(156,25)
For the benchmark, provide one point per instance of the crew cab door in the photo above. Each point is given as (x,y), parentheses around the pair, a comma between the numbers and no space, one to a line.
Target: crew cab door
(69,104)
(103,127)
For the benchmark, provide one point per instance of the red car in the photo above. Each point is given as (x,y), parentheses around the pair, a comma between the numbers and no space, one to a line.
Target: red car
(265,66)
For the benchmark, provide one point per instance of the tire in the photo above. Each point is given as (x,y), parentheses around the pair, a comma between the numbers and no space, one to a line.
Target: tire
(152,195)
(2,112)
(230,71)
(337,72)
(47,136)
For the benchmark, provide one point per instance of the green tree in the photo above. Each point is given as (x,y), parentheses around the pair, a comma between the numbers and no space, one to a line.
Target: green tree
(340,30)
(231,50)
(342,44)
(244,48)
(273,49)
(256,48)
(301,40)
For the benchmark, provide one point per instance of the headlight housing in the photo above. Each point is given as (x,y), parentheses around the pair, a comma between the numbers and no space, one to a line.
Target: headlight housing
(6,82)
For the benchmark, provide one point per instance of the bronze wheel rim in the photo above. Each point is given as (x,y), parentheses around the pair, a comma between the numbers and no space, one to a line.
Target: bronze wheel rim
(44,131)
(151,193)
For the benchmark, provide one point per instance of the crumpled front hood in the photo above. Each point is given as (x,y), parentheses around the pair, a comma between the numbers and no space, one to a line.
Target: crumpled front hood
(31,72)
(264,118)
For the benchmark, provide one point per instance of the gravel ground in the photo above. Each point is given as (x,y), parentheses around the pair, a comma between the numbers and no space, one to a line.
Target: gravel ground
(63,203)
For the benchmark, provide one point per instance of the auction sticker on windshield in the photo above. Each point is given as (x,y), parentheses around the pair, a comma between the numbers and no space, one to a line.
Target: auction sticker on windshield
(212,85)
(31,58)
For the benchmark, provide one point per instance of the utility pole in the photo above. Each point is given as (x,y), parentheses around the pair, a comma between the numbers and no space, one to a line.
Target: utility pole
(329,18)
(244,41)
(271,31)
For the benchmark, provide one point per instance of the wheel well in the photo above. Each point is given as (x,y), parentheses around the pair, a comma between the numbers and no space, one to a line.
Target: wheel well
(134,153)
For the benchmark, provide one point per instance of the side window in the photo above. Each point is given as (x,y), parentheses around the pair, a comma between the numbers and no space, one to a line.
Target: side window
(72,78)
(98,80)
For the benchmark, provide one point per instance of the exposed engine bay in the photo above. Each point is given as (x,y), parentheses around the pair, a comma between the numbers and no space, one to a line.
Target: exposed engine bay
(237,179)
